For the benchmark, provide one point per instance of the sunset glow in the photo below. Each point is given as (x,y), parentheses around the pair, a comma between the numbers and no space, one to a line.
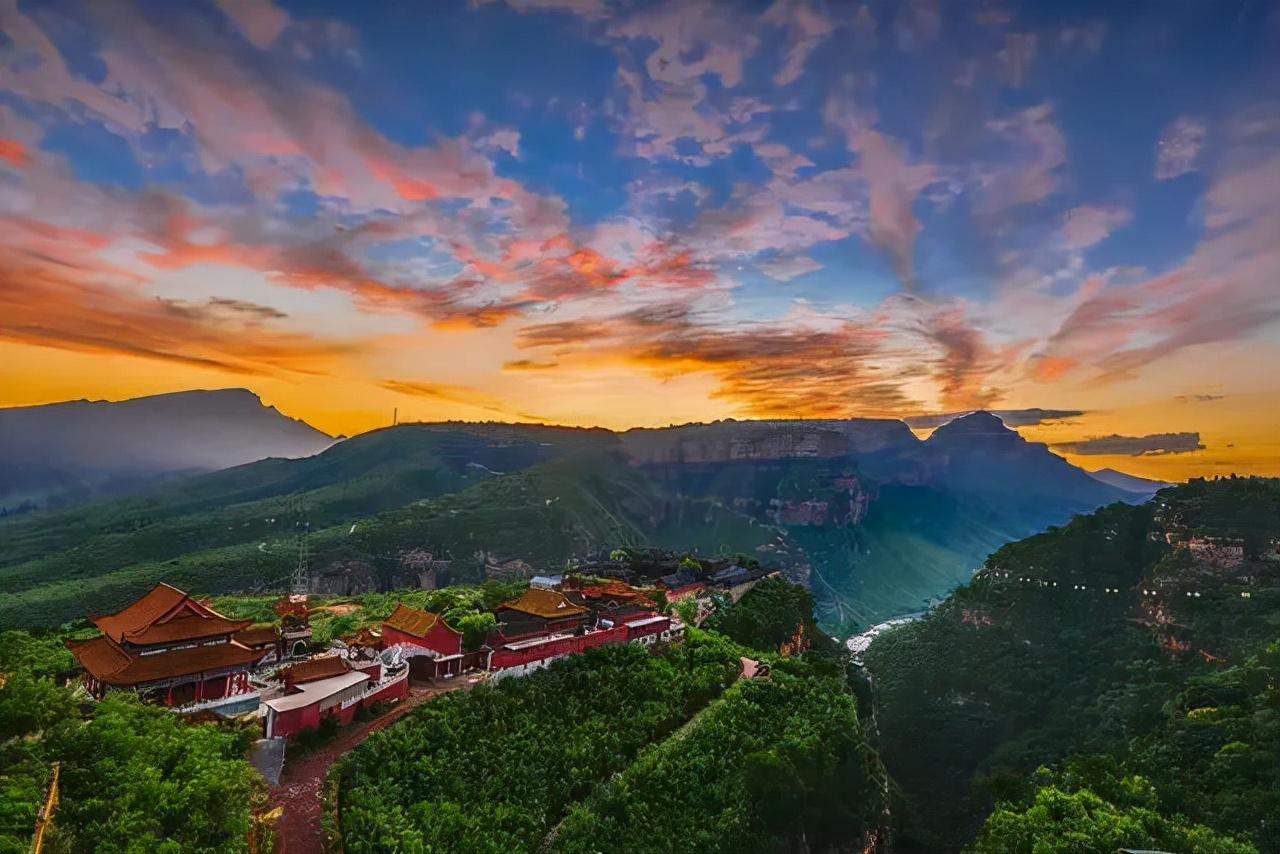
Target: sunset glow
(639,214)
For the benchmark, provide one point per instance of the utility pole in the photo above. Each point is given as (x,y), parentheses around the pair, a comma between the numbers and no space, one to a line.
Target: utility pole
(45,817)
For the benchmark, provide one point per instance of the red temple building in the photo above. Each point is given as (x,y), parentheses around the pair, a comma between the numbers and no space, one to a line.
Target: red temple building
(329,686)
(432,647)
(540,612)
(169,648)
(614,601)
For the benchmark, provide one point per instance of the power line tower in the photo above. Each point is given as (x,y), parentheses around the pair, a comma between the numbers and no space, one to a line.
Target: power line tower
(300,580)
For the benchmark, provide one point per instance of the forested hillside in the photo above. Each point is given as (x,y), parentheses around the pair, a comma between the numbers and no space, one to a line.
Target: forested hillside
(874,521)
(132,778)
(1137,645)
(670,751)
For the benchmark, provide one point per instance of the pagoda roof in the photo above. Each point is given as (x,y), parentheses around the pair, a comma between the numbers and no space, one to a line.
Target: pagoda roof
(191,627)
(103,659)
(414,622)
(153,605)
(548,604)
(317,691)
(165,614)
(313,669)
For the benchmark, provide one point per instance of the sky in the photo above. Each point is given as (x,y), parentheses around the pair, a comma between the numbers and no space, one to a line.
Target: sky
(635,214)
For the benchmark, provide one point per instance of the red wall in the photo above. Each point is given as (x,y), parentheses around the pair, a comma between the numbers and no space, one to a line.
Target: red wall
(440,638)
(503,658)
(295,721)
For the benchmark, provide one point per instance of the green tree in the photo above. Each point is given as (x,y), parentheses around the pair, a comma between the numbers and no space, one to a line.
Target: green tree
(1082,822)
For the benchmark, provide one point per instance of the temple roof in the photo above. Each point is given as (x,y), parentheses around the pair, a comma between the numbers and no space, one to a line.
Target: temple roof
(313,669)
(618,591)
(411,621)
(108,663)
(153,605)
(186,628)
(548,604)
(366,636)
(165,615)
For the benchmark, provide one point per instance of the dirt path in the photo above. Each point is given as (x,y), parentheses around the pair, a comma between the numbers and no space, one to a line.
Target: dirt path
(299,791)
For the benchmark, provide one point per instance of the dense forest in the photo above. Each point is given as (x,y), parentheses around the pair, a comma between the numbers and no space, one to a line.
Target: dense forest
(520,765)
(1113,683)
(134,779)
(1132,650)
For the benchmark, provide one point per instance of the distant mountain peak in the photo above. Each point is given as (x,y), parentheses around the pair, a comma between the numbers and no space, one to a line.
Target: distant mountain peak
(975,425)
(60,453)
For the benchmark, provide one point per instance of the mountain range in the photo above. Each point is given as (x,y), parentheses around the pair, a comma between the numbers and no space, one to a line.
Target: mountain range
(67,453)
(875,521)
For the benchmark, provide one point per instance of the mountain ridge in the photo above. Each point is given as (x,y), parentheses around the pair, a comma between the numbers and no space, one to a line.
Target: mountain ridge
(62,453)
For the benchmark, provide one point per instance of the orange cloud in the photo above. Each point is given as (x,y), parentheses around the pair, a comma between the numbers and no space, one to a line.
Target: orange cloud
(13,151)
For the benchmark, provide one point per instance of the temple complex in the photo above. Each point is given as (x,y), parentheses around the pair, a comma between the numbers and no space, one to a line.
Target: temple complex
(169,648)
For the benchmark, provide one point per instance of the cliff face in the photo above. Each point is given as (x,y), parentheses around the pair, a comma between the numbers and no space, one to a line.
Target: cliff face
(724,441)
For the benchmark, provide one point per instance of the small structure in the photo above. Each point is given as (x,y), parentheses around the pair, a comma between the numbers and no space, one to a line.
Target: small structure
(295,625)
(325,687)
(502,568)
(547,582)
(169,648)
(311,670)
(364,644)
(432,647)
(540,612)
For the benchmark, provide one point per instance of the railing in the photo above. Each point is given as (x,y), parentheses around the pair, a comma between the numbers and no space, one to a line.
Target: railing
(230,699)
(374,688)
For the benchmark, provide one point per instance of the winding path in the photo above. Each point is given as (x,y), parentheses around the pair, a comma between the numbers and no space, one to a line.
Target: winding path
(301,785)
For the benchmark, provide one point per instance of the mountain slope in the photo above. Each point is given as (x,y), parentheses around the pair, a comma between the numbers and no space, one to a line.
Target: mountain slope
(1116,634)
(240,524)
(1128,482)
(876,522)
(66,453)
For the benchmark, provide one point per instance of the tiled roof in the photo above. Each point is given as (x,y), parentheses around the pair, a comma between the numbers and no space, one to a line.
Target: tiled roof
(292,606)
(411,621)
(617,591)
(317,691)
(99,656)
(105,661)
(682,578)
(314,668)
(548,604)
(366,636)
(258,635)
(153,605)
(186,628)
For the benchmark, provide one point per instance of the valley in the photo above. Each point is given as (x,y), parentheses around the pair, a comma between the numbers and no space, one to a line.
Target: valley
(875,521)
(1114,677)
